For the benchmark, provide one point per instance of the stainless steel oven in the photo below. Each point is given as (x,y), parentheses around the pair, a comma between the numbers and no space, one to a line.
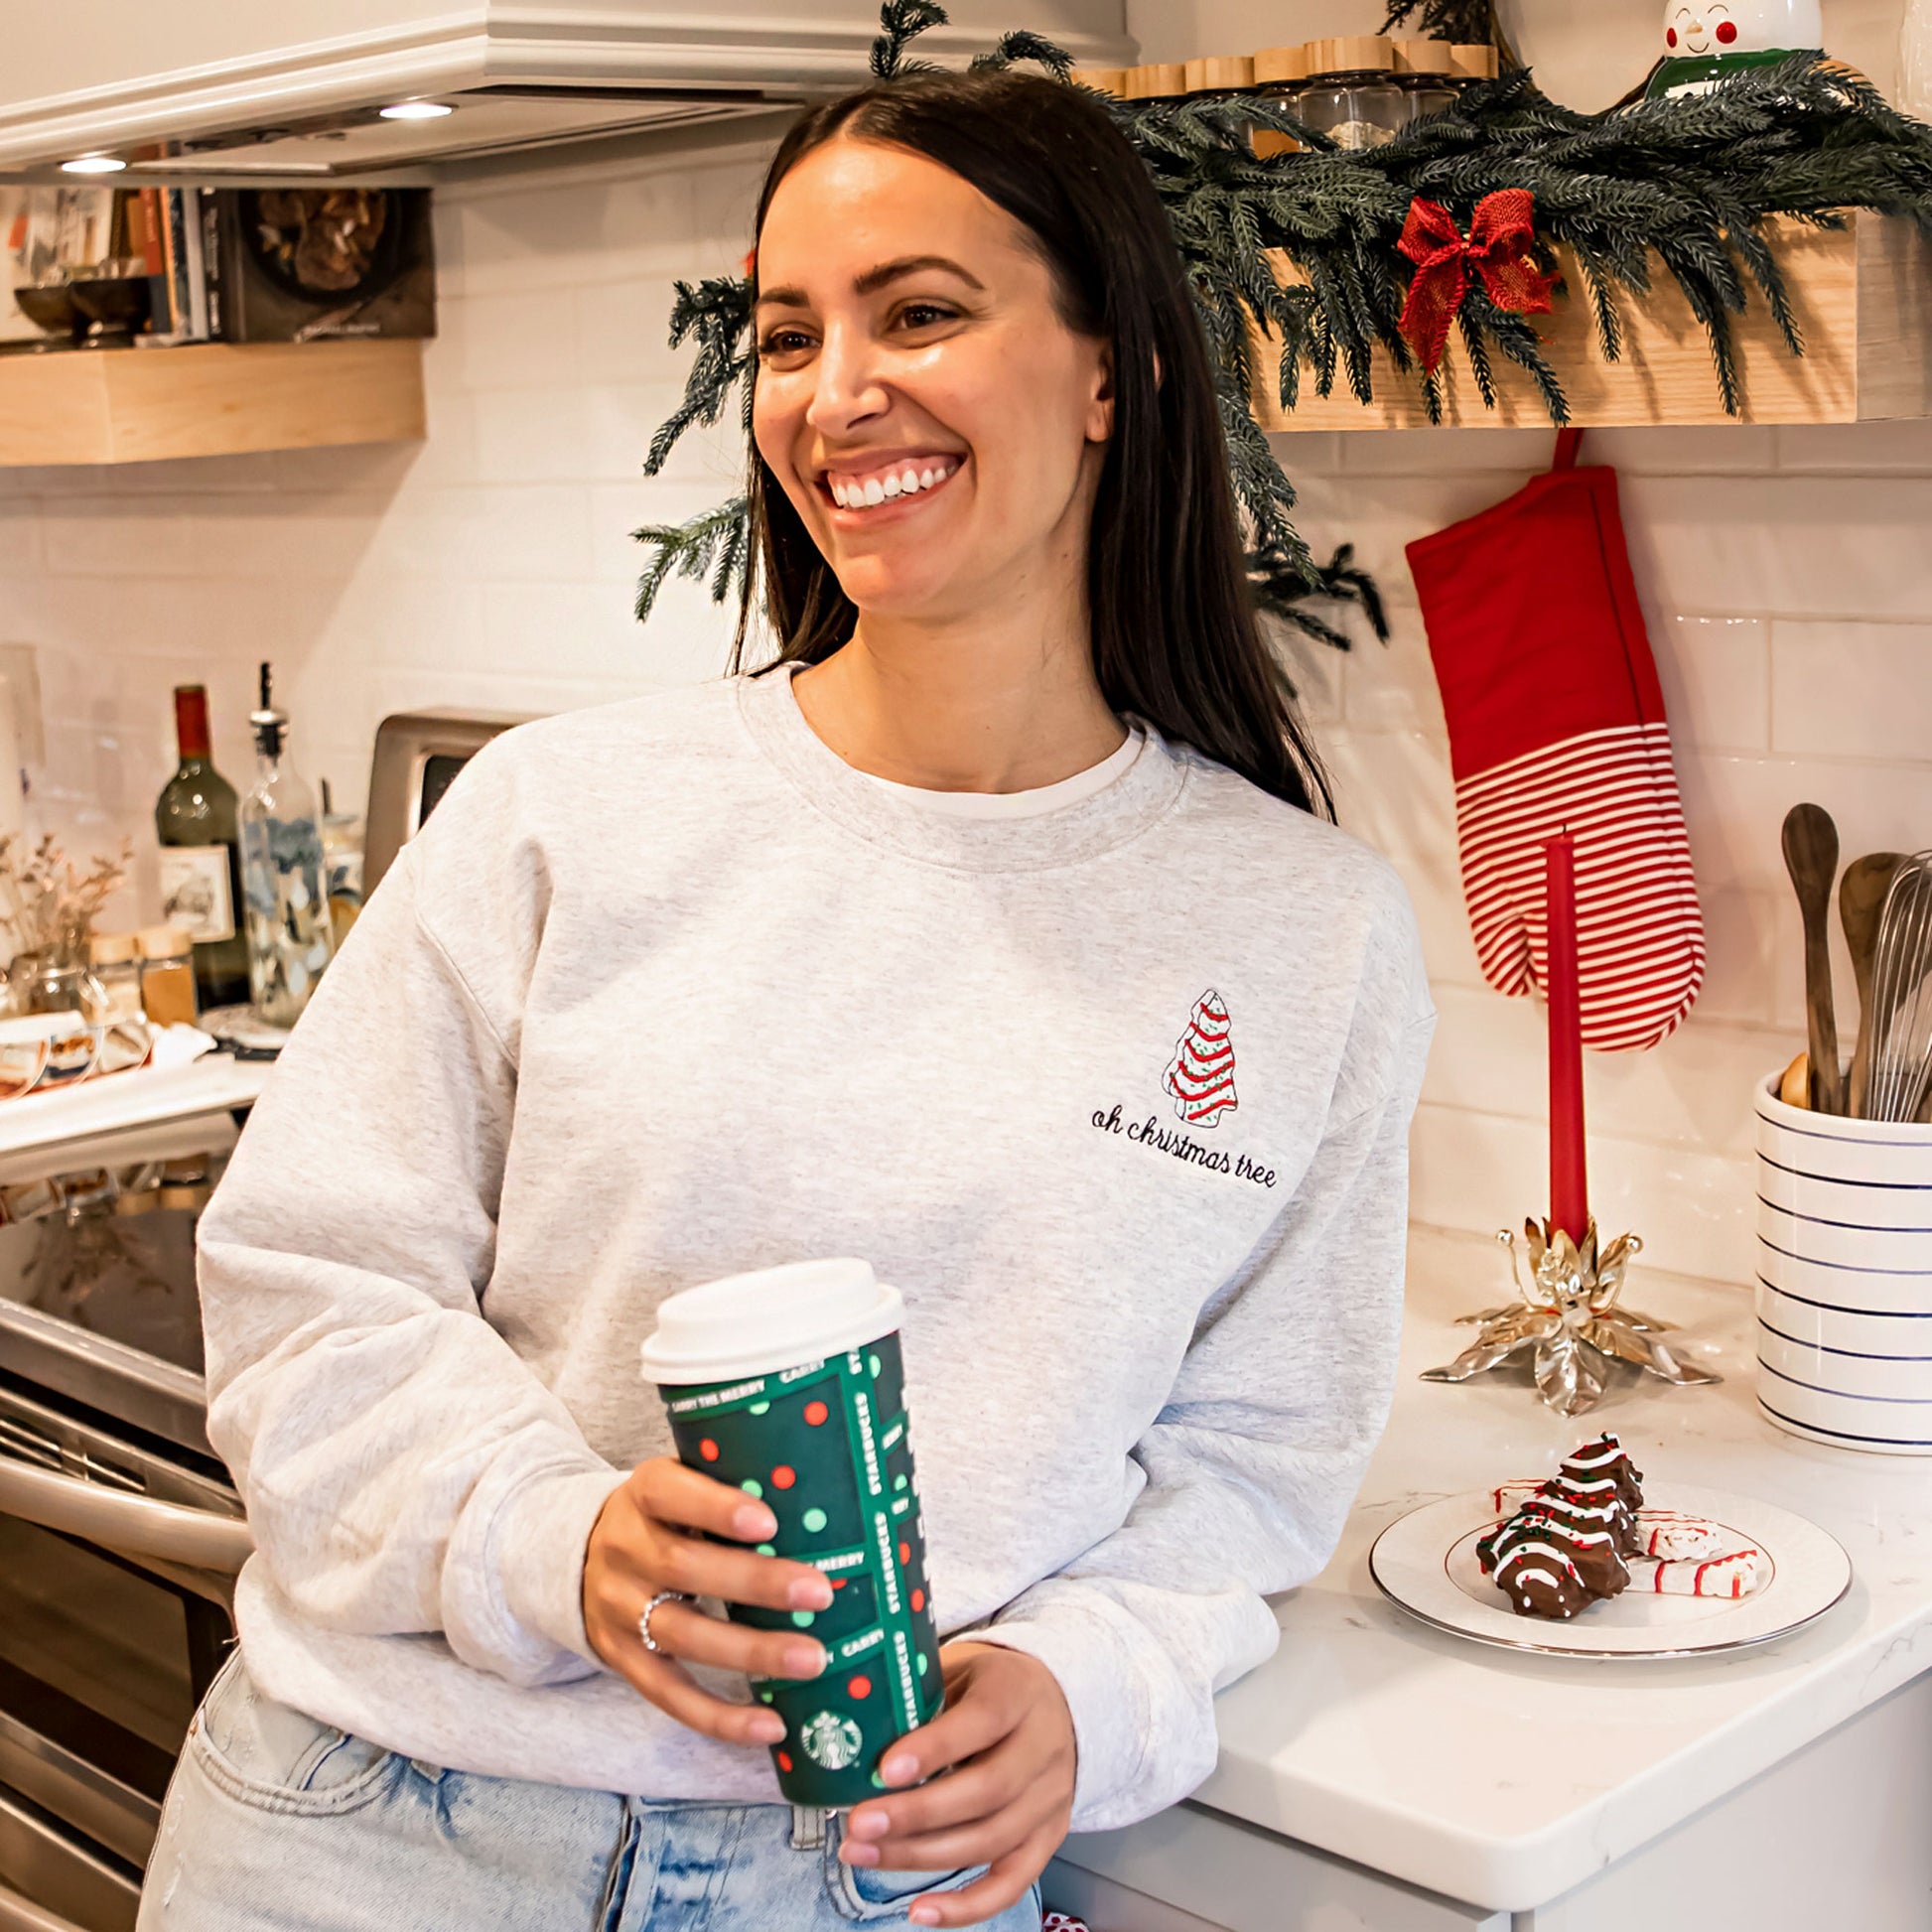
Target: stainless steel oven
(120,1534)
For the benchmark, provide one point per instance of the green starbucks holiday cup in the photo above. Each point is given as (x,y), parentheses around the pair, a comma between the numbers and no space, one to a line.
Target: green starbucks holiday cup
(787,1382)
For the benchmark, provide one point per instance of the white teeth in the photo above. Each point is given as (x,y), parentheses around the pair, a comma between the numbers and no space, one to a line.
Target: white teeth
(850,494)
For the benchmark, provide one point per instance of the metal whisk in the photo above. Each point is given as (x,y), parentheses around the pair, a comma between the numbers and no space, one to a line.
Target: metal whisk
(1901,997)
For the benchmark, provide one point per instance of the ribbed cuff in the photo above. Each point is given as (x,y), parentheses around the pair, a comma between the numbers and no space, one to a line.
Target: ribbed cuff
(1107,1702)
(538,1541)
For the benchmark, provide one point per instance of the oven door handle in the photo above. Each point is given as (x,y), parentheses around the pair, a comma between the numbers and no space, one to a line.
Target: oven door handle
(17,1914)
(139,1526)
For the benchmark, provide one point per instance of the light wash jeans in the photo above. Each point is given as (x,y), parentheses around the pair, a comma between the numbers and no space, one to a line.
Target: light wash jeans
(275,1823)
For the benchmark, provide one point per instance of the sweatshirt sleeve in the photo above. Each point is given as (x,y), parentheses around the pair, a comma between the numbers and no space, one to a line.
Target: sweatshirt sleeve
(1250,1470)
(404,1471)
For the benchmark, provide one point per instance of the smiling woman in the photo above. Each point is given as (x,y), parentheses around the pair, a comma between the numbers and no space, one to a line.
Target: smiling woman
(995,934)
(968,280)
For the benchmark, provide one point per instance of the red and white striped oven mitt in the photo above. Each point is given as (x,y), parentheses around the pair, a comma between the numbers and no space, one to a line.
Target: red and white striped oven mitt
(1555,720)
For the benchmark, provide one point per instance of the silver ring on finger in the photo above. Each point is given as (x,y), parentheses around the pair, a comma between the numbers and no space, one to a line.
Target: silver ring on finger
(643,1622)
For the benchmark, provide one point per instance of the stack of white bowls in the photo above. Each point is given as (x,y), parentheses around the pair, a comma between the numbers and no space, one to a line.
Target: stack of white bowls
(1845,1277)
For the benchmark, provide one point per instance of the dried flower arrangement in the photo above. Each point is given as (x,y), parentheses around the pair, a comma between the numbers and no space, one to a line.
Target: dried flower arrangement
(48,904)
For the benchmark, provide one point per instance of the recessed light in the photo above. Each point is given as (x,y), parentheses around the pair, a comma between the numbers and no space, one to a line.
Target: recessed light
(416,110)
(93,163)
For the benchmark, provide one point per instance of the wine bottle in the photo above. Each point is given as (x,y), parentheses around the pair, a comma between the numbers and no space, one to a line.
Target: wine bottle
(289,943)
(201,857)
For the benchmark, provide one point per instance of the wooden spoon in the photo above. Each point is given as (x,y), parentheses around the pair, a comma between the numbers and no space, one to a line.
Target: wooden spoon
(1811,858)
(1860,901)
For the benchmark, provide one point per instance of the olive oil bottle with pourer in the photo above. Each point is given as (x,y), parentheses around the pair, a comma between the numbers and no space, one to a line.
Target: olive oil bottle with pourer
(282,875)
(201,858)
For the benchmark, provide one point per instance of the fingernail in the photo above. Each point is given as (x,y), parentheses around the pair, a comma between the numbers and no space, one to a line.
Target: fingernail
(899,1768)
(768,1728)
(753,1520)
(854,1853)
(804,1659)
(870,1823)
(810,1593)
(924,1915)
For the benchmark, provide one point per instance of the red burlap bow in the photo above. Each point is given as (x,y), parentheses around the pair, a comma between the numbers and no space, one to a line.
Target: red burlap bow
(1498,247)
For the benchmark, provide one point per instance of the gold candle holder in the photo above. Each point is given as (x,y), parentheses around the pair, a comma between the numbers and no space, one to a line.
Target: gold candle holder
(1569,1320)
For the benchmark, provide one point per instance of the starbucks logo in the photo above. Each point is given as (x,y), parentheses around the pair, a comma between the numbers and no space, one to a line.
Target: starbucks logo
(831,1741)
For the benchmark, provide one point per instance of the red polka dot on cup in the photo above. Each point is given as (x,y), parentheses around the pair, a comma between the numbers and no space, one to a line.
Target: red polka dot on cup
(708,1449)
(816,1412)
(784,1476)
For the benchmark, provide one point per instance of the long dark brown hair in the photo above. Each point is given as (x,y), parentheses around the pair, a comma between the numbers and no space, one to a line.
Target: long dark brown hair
(1175,636)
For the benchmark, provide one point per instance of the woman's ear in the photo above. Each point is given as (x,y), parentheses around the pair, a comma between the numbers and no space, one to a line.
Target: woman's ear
(1100,406)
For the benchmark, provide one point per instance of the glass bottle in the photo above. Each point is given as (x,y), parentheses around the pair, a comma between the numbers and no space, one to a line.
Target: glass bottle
(1423,71)
(1280,74)
(1351,95)
(201,857)
(117,966)
(282,875)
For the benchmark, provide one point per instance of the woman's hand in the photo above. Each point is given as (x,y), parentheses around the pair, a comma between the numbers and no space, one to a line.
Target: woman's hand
(1007,1728)
(643,1542)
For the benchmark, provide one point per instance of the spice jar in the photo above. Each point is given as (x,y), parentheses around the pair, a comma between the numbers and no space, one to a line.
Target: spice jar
(1351,95)
(1471,61)
(168,976)
(1423,71)
(1280,74)
(1220,73)
(117,966)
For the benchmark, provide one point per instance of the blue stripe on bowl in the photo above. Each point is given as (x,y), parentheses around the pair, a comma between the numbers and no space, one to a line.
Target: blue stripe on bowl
(1841,1181)
(1844,1395)
(1844,1266)
(1838,1307)
(1843,1435)
(1823,1348)
(1919,1141)
(1820,1220)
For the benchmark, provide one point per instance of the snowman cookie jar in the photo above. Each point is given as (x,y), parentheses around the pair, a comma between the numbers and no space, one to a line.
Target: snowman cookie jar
(1706,39)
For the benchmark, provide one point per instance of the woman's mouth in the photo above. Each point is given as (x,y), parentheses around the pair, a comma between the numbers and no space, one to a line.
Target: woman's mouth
(888,483)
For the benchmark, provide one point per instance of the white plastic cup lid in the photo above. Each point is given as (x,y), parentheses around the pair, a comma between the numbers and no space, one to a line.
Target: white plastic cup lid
(769,1320)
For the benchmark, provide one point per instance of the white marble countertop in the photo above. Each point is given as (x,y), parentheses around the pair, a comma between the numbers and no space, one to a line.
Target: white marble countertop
(1504,1779)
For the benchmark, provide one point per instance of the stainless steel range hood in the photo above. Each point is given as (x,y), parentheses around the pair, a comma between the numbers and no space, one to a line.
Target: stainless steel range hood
(244,89)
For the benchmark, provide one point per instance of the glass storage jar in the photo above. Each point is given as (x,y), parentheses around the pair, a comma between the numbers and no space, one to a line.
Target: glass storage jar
(1351,95)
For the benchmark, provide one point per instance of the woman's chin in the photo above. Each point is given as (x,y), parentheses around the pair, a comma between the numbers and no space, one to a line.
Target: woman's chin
(904,596)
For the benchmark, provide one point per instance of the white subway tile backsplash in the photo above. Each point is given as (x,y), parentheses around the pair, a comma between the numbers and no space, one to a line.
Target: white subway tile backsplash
(1781,546)
(1853,690)
(1716,678)
(1782,570)
(1856,448)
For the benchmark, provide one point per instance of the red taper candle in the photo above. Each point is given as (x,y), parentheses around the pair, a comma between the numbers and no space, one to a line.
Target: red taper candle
(1569,1177)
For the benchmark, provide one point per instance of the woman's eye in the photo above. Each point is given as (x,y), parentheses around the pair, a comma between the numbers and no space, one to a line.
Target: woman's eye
(783,341)
(925,315)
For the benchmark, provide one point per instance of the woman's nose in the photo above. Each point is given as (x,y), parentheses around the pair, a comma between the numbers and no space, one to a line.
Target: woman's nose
(849,388)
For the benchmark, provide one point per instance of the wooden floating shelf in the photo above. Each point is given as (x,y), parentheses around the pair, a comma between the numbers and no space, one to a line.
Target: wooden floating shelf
(139,405)
(1863,299)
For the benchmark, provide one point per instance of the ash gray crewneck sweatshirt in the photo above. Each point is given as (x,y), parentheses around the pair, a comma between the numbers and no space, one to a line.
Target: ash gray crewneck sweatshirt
(1116,1094)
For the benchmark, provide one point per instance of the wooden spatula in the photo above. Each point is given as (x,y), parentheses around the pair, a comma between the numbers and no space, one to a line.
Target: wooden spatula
(1861,900)
(1811,858)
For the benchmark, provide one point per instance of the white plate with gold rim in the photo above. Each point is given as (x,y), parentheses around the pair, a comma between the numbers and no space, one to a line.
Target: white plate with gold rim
(1424,1562)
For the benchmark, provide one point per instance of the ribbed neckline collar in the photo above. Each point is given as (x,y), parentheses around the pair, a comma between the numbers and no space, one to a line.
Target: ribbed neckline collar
(1149,788)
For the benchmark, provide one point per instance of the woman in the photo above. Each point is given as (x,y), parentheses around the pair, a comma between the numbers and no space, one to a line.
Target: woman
(997,935)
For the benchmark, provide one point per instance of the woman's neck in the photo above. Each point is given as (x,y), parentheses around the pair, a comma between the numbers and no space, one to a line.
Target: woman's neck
(974,706)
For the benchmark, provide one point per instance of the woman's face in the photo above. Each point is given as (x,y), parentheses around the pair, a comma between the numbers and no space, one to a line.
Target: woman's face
(933,421)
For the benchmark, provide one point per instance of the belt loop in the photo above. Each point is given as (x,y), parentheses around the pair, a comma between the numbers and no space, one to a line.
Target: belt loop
(807,1827)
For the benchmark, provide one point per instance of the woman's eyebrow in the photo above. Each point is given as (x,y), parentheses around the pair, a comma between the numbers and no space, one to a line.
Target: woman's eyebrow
(874,279)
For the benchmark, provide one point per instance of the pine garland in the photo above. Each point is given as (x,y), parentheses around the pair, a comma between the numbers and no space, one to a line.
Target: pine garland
(1691,178)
